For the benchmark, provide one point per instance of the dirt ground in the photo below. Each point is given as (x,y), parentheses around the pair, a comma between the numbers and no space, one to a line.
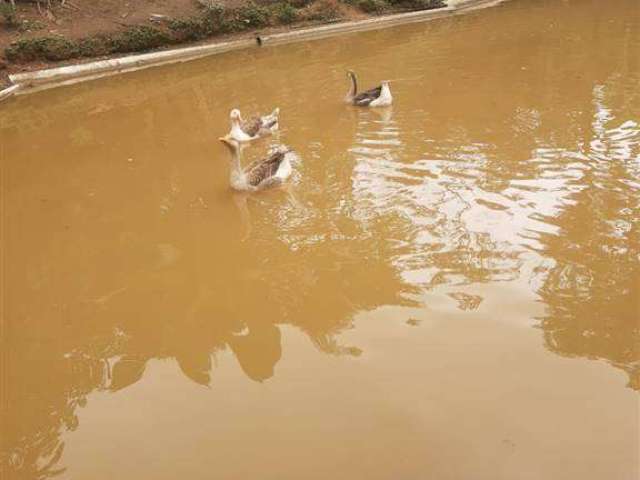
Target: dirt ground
(82,18)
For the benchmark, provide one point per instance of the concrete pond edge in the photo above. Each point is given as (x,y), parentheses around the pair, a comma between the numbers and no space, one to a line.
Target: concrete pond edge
(29,82)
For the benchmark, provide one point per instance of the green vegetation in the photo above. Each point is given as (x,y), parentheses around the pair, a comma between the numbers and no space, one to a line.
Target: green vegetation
(189,29)
(30,25)
(323,11)
(253,16)
(42,48)
(418,4)
(285,12)
(139,38)
(373,6)
(387,6)
(213,19)
(54,48)
(8,13)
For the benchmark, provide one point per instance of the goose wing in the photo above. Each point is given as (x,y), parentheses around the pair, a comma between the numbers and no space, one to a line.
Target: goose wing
(260,170)
(252,126)
(268,122)
(365,98)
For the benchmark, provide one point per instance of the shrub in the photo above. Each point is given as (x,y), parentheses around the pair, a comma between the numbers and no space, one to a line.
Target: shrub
(9,14)
(300,3)
(95,46)
(140,37)
(373,6)
(252,16)
(48,48)
(285,13)
(30,25)
(190,28)
(218,19)
(418,4)
(323,10)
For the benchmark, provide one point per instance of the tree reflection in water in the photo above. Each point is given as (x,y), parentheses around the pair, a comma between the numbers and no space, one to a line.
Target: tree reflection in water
(166,303)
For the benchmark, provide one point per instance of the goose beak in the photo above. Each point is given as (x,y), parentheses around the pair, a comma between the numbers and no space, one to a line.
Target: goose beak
(226,140)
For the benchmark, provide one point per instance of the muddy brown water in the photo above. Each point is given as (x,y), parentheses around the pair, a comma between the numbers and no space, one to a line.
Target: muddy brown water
(448,290)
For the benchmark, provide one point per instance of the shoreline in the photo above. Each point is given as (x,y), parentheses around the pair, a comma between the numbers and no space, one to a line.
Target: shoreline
(32,81)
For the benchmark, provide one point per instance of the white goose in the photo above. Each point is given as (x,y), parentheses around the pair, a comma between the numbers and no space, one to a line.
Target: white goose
(376,97)
(267,172)
(255,127)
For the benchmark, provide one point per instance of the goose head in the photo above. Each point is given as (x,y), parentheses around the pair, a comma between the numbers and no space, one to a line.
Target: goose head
(353,86)
(235,116)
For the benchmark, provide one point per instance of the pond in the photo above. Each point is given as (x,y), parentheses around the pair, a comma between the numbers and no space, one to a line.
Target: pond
(447,290)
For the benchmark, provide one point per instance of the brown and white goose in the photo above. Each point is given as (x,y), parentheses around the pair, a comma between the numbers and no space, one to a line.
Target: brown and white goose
(376,97)
(256,127)
(267,172)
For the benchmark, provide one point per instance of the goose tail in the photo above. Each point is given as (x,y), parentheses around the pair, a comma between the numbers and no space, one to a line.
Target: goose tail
(271,121)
